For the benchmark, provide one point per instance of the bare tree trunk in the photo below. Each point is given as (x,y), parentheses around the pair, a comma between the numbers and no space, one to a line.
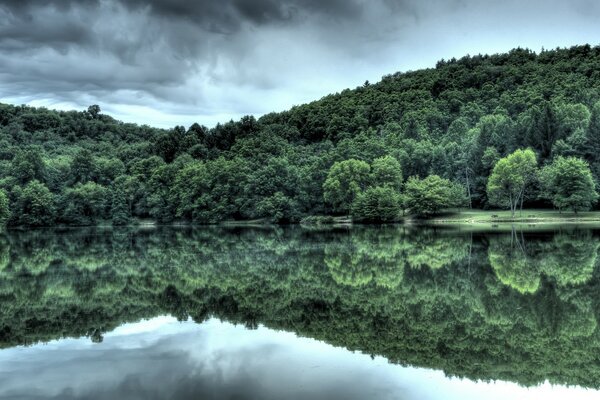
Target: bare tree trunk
(522,195)
(512,206)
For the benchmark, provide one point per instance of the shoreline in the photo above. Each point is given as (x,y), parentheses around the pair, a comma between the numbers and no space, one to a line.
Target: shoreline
(462,218)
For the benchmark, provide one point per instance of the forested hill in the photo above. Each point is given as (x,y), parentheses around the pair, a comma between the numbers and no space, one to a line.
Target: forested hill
(455,121)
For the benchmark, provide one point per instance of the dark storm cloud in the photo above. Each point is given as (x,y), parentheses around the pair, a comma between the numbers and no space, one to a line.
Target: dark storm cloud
(229,15)
(224,58)
(151,52)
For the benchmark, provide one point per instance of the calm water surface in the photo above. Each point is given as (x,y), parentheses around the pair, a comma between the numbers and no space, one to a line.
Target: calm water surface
(382,313)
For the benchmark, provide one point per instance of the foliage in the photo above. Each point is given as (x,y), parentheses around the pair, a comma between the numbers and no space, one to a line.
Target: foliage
(386,171)
(345,180)
(568,183)
(511,177)
(432,194)
(500,306)
(377,204)
(458,121)
(34,205)
(4,209)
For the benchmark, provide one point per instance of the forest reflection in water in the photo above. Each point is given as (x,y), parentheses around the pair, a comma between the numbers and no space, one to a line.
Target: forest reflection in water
(514,306)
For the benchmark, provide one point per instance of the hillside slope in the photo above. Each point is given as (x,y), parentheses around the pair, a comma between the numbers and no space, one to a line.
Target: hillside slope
(454,120)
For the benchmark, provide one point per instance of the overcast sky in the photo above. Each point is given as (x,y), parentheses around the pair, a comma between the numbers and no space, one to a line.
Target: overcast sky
(169,62)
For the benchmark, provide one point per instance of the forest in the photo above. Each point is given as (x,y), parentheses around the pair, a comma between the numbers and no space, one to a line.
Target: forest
(513,130)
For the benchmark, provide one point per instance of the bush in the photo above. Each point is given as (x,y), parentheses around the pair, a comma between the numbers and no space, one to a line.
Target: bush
(432,194)
(377,204)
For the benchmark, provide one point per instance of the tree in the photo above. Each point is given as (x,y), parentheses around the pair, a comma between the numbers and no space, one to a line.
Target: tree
(119,208)
(386,171)
(345,180)
(432,194)
(35,205)
(568,183)
(94,111)
(85,203)
(82,167)
(191,189)
(544,129)
(510,179)
(377,204)
(278,208)
(593,135)
(4,209)
(28,165)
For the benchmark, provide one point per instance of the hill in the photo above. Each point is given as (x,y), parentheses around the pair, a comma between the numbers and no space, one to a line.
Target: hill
(455,120)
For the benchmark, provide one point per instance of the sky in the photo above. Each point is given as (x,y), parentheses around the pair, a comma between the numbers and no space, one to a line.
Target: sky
(176,62)
(162,358)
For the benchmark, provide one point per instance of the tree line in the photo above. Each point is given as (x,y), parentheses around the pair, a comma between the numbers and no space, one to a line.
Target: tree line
(418,142)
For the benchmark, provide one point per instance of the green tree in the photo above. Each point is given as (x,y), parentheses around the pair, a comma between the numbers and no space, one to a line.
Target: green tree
(432,194)
(345,180)
(568,184)
(85,203)
(94,111)
(28,165)
(386,171)
(82,167)
(119,209)
(377,204)
(35,205)
(593,135)
(4,209)
(511,177)
(278,208)
(192,190)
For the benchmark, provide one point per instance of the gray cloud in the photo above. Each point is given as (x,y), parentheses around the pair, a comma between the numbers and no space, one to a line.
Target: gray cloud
(167,62)
(185,361)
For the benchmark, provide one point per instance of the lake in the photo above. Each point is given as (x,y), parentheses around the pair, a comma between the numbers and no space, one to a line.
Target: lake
(390,312)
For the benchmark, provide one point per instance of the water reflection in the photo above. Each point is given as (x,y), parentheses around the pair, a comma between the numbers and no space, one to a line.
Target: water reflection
(164,359)
(513,306)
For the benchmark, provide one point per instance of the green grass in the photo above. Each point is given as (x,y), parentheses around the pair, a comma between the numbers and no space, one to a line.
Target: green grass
(529,218)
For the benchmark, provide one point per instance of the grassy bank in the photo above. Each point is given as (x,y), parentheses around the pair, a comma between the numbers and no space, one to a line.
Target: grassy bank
(501,218)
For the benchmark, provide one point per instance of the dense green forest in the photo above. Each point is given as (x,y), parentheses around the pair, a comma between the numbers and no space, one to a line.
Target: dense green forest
(417,141)
(512,306)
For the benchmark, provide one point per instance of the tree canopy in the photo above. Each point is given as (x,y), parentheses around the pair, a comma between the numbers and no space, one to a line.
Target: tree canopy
(568,183)
(457,121)
(432,194)
(511,177)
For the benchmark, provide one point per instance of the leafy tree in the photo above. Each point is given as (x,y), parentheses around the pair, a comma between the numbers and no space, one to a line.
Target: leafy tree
(544,129)
(278,208)
(28,165)
(511,177)
(94,111)
(345,180)
(432,194)
(386,171)
(85,203)
(568,183)
(593,135)
(58,173)
(455,121)
(82,167)
(377,204)
(4,209)
(274,185)
(167,144)
(119,208)
(192,188)
(34,206)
